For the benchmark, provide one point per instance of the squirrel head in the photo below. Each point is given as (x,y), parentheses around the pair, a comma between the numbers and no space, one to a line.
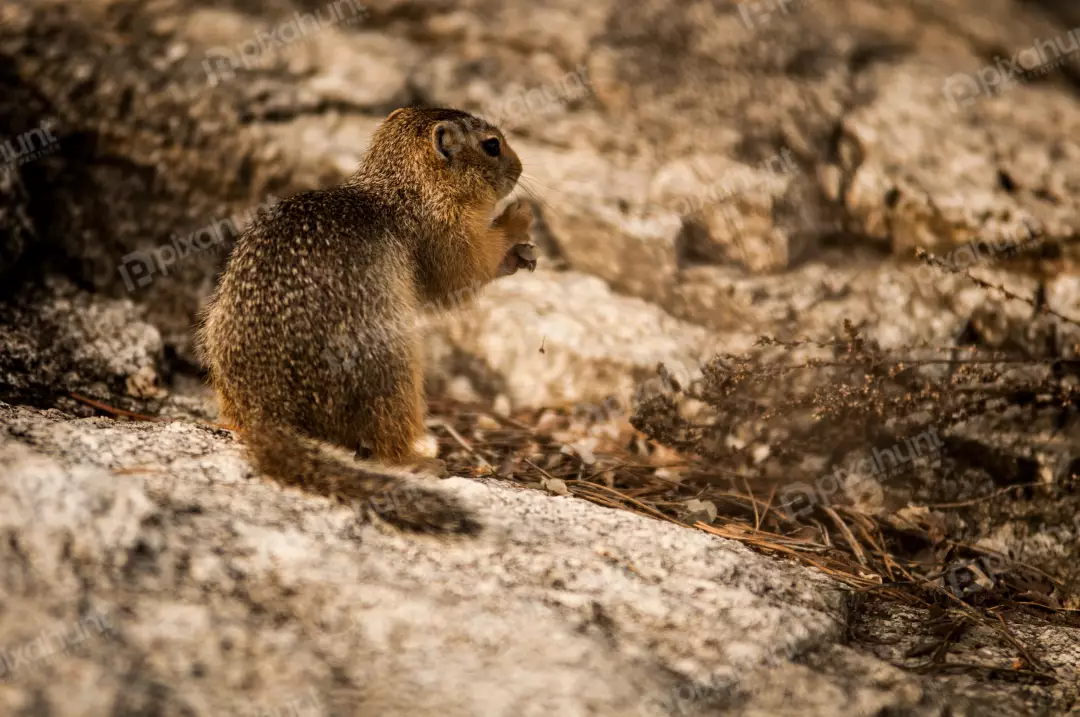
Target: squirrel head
(444,153)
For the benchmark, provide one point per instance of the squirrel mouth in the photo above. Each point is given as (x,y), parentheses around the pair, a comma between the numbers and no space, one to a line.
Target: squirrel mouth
(510,182)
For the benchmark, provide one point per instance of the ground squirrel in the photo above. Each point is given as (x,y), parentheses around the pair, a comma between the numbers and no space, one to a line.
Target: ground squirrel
(349,270)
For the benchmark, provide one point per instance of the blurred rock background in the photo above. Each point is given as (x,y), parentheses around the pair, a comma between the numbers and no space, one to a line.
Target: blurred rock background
(705,172)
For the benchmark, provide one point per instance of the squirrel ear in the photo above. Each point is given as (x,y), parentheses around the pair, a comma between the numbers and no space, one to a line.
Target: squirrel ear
(447,139)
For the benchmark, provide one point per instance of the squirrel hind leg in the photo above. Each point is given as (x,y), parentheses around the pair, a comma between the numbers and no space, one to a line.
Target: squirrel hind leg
(227,413)
(393,427)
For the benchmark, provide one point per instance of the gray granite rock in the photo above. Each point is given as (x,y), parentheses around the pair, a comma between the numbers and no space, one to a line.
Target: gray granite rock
(146,568)
(559,338)
(58,339)
(147,571)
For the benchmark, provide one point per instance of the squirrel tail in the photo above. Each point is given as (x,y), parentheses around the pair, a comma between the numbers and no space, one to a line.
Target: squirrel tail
(299,461)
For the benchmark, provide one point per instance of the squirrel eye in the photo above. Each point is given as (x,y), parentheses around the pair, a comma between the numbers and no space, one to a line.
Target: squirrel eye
(491,146)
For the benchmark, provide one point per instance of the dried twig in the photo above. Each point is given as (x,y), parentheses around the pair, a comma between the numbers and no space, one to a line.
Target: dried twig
(462,442)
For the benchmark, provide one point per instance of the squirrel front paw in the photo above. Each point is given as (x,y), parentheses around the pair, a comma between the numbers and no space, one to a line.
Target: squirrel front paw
(520,255)
(515,222)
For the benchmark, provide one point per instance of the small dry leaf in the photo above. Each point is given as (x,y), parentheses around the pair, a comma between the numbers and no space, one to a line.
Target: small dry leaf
(487,423)
(547,422)
(669,474)
(502,406)
(584,453)
(705,508)
(506,469)
(556,486)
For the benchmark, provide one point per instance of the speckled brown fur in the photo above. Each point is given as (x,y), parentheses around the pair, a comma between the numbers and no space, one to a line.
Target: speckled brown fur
(312,337)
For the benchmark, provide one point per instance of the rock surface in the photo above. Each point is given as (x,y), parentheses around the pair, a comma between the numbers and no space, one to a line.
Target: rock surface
(817,124)
(148,570)
(552,339)
(703,173)
(58,339)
